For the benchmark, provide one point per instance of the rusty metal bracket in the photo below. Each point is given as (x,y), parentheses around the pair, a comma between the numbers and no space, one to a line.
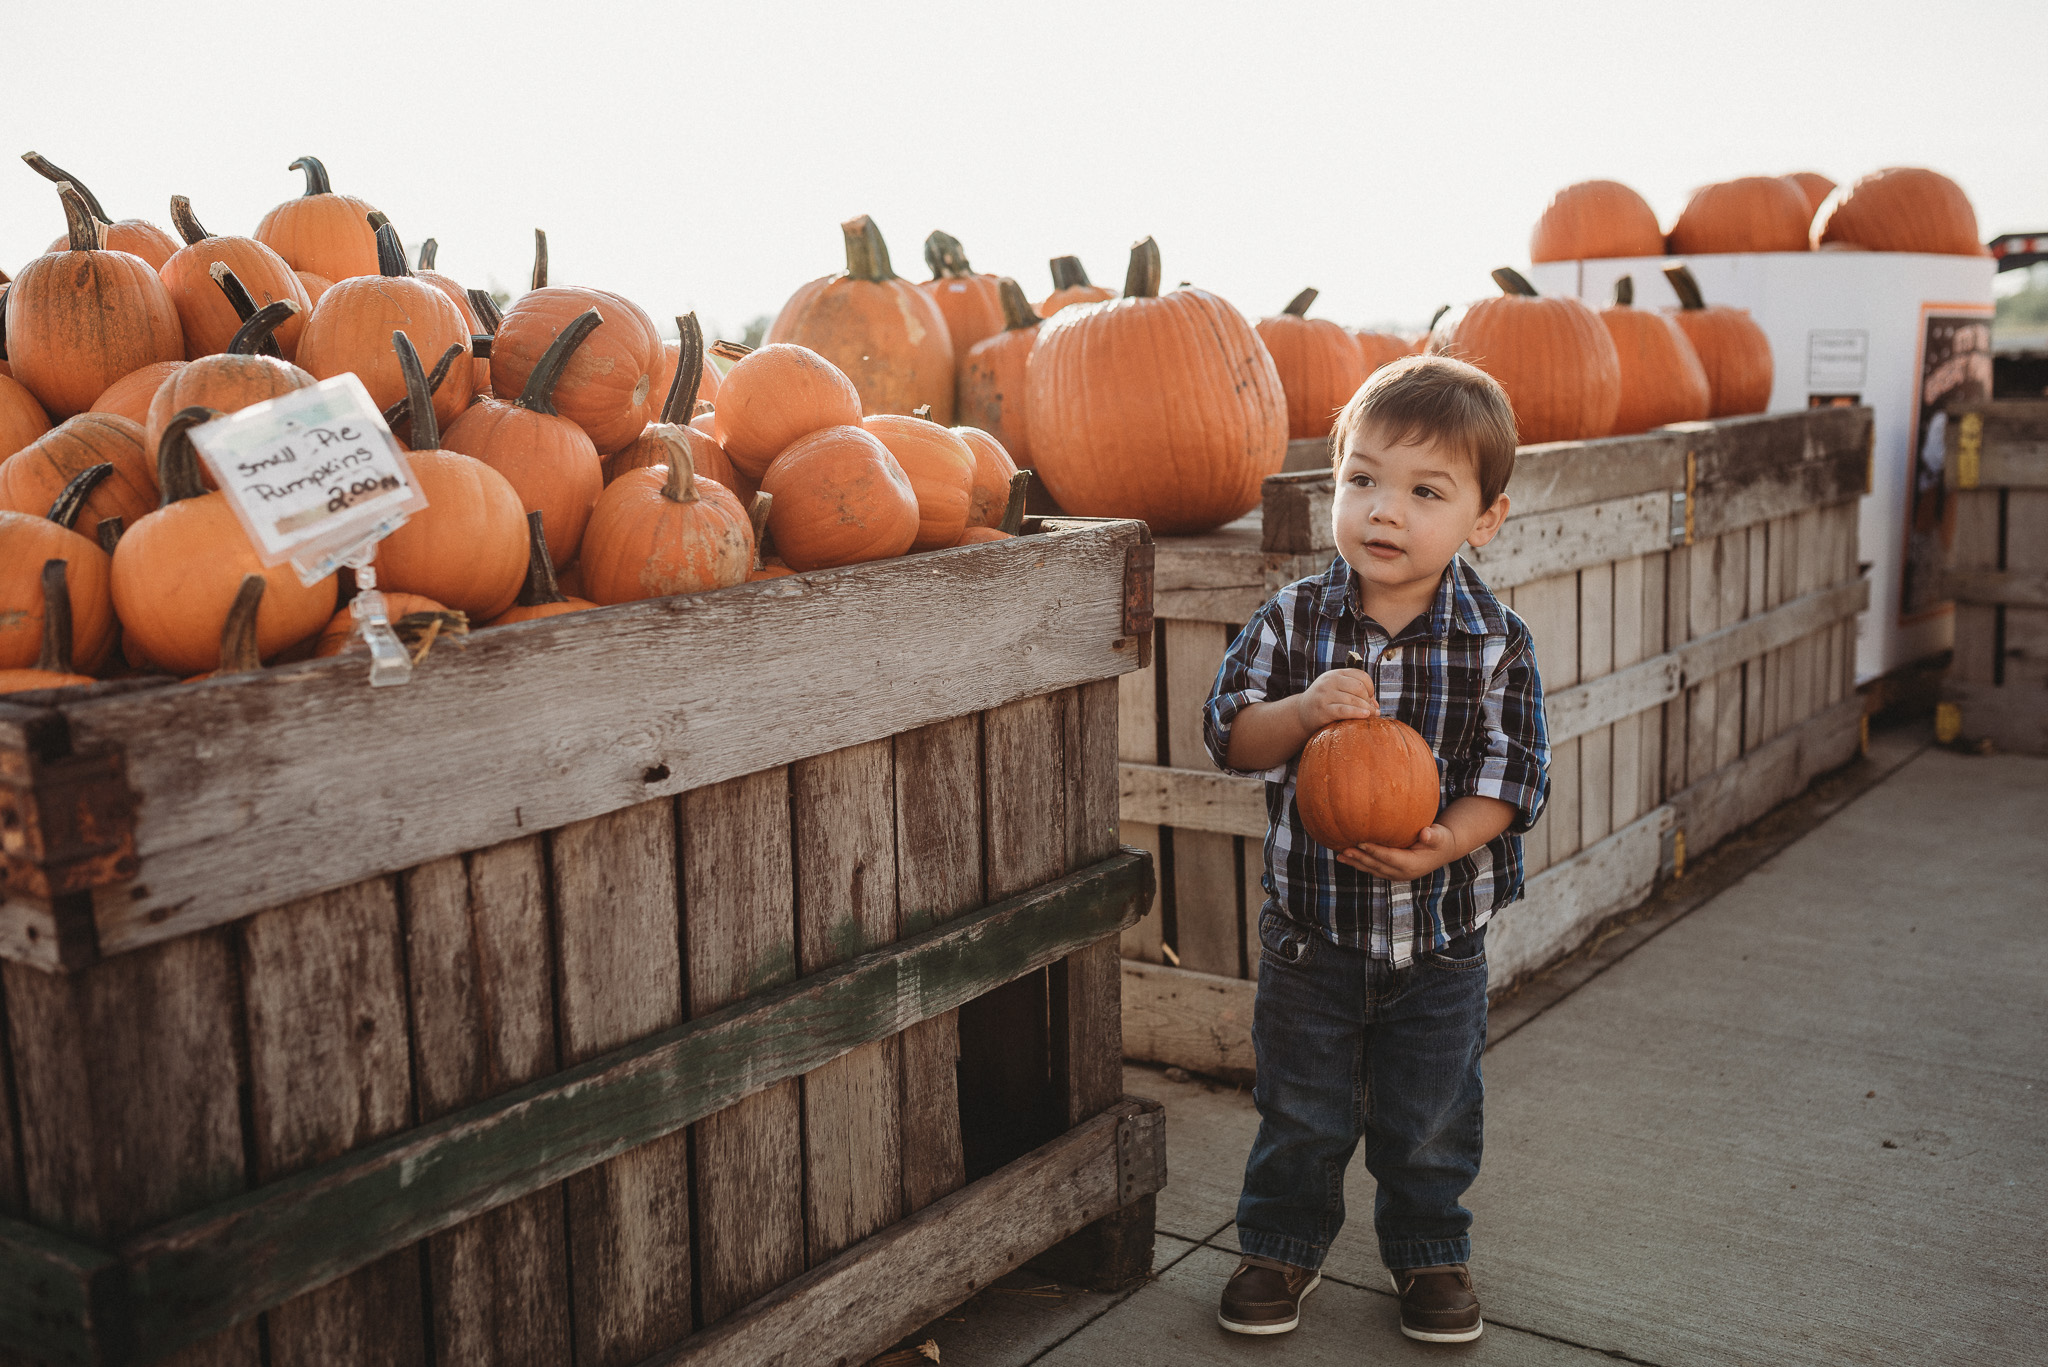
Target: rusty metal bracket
(1138,580)
(67,827)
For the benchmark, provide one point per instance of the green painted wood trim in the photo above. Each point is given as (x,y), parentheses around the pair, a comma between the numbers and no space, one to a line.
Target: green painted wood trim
(221,1266)
(57,1297)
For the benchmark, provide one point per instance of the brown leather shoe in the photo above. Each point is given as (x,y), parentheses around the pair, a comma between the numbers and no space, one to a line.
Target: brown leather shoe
(1264,1296)
(1438,1304)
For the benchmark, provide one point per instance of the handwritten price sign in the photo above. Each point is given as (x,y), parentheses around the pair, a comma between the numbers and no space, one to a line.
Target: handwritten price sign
(314,476)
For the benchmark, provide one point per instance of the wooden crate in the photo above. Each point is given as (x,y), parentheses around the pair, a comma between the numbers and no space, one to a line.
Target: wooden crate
(727,978)
(1997,473)
(1692,594)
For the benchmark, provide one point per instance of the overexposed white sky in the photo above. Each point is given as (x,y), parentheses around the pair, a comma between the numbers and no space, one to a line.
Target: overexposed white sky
(702,155)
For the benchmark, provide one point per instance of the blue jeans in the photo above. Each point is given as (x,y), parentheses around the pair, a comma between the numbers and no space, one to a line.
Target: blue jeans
(1349,1046)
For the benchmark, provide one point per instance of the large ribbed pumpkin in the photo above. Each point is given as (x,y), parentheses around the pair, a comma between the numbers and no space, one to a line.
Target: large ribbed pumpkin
(662,530)
(1553,357)
(351,328)
(1319,364)
(209,320)
(33,477)
(480,366)
(230,381)
(1071,285)
(1733,350)
(321,232)
(1903,209)
(941,471)
(79,320)
(1368,781)
(1747,214)
(1661,378)
(992,376)
(839,498)
(129,396)
(1376,349)
(775,397)
(657,441)
(135,236)
(22,419)
(28,541)
(608,387)
(882,332)
(1165,408)
(1815,186)
(971,303)
(1595,218)
(54,666)
(995,475)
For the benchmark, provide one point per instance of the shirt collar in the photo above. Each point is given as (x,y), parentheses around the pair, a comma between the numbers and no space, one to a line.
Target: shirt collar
(1463,603)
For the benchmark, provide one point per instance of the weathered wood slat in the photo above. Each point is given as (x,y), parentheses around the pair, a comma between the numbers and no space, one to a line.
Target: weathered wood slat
(879,1290)
(1196,799)
(1571,474)
(516,740)
(2010,441)
(60,1301)
(1717,651)
(223,1265)
(1762,495)
(2015,588)
(1546,544)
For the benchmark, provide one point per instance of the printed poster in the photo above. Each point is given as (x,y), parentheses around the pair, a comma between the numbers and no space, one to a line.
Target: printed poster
(1955,366)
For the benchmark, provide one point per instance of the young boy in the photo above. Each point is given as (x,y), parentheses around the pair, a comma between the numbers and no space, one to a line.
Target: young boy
(1371,1008)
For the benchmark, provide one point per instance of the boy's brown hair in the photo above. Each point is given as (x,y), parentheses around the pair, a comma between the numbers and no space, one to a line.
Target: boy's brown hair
(1434,398)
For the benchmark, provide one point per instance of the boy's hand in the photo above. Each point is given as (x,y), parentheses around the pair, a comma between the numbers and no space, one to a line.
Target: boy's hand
(1337,695)
(1433,849)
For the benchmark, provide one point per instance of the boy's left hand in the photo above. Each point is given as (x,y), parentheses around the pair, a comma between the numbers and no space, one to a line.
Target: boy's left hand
(1433,848)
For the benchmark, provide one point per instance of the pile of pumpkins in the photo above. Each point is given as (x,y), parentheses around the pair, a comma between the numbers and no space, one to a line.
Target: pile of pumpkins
(570,458)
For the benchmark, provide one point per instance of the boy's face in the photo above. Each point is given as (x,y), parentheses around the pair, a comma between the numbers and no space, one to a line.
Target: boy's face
(1401,512)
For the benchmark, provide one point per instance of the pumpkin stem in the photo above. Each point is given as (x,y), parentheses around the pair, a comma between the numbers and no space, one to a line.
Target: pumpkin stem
(376,219)
(681,404)
(1437,317)
(402,409)
(757,514)
(540,569)
(186,222)
(1013,511)
(55,657)
(1298,305)
(1067,272)
(731,351)
(488,315)
(430,252)
(3,324)
(426,429)
(71,498)
(1017,311)
(1685,287)
(57,175)
(252,338)
(867,255)
(177,460)
(108,533)
(944,254)
(1141,281)
(540,259)
(316,176)
(238,653)
(923,410)
(1511,282)
(681,484)
(1624,292)
(390,251)
(80,224)
(539,394)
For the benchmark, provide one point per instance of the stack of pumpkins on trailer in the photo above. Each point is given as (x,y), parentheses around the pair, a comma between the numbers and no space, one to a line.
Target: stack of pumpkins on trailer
(1996,470)
(1692,595)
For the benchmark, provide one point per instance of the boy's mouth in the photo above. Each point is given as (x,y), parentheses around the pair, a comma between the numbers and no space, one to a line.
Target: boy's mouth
(1382,550)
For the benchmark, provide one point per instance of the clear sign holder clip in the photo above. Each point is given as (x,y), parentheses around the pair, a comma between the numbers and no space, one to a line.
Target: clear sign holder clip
(390,662)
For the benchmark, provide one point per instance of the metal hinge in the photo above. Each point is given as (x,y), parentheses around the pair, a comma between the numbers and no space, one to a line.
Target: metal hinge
(1127,1185)
(1682,501)
(1138,578)
(67,825)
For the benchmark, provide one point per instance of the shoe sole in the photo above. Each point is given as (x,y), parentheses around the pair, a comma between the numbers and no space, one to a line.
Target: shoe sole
(1277,1327)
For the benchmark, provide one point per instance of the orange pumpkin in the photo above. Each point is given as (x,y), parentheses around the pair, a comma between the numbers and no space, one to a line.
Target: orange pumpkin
(976,536)
(467,548)
(1422,342)
(995,477)
(131,235)
(881,331)
(1815,186)
(991,388)
(1369,781)
(1595,218)
(351,328)
(79,320)
(1071,285)
(1162,408)
(53,667)
(1903,209)
(209,320)
(542,596)
(548,460)
(484,309)
(776,396)
(941,472)
(1733,350)
(321,232)
(1375,349)
(1661,377)
(972,303)
(608,389)
(230,381)
(1319,364)
(661,530)
(1553,357)
(22,419)
(657,442)
(28,542)
(129,396)
(32,478)
(316,285)
(1747,214)
(430,251)
(708,377)
(840,498)
(177,570)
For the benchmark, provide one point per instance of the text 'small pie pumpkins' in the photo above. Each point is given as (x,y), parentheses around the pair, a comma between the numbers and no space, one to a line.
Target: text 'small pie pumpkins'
(1371,781)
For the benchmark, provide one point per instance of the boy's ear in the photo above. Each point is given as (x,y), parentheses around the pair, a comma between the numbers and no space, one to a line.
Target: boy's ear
(1488,525)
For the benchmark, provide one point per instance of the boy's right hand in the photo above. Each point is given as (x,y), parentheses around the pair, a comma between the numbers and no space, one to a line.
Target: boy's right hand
(1338,695)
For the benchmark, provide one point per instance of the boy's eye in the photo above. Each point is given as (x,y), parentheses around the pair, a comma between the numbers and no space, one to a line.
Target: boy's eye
(1362,481)
(1426,492)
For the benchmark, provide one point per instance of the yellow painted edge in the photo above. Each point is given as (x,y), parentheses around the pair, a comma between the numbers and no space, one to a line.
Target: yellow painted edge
(1948,722)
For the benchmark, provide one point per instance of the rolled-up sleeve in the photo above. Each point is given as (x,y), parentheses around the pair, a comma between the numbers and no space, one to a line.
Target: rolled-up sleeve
(1510,759)
(1254,668)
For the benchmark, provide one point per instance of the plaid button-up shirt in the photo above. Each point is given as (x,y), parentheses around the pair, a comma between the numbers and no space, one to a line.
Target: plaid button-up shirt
(1463,674)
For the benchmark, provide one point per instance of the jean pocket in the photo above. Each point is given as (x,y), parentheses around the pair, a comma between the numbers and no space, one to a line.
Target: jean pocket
(1284,940)
(1451,965)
